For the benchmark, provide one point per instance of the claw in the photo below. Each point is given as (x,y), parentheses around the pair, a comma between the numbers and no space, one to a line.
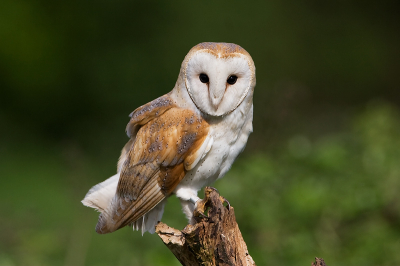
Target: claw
(213,188)
(200,214)
(200,204)
(200,208)
(224,200)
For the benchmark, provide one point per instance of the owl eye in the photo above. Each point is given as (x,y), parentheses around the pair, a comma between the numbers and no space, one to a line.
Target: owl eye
(203,78)
(232,79)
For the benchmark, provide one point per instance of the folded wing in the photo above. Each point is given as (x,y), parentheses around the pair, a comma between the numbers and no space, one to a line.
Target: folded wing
(167,142)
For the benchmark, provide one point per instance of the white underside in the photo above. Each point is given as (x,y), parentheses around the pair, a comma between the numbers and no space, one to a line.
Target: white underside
(229,139)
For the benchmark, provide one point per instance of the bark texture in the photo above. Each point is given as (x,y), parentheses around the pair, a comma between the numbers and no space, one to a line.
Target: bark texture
(215,239)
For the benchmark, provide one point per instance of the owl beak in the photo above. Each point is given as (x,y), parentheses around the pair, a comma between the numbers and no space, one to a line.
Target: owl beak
(216,95)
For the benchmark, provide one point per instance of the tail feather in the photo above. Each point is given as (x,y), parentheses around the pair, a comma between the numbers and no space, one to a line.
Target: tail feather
(100,196)
(116,212)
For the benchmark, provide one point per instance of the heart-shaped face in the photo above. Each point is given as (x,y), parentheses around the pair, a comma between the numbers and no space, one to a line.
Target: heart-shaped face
(218,77)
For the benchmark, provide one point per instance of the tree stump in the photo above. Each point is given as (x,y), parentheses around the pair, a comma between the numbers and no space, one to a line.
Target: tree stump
(215,239)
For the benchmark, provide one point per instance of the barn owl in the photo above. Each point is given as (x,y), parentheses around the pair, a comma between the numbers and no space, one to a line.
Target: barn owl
(182,141)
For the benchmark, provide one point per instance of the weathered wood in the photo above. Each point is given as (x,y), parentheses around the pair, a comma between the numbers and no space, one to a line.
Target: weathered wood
(215,239)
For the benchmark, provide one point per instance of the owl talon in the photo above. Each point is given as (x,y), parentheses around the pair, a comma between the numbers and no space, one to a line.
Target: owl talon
(213,188)
(224,200)
(200,208)
(202,215)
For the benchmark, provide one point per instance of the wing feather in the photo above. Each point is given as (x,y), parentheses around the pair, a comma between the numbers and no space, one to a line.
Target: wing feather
(147,112)
(166,141)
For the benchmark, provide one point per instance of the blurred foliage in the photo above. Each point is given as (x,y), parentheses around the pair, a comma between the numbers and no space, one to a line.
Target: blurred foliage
(319,176)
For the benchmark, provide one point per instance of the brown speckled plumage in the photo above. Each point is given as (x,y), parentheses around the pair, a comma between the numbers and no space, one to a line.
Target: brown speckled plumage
(163,146)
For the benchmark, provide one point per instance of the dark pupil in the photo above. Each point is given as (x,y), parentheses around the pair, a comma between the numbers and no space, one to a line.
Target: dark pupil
(204,78)
(232,80)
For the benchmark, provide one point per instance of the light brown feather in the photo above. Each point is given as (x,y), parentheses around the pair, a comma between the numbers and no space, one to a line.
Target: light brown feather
(168,138)
(222,50)
(161,144)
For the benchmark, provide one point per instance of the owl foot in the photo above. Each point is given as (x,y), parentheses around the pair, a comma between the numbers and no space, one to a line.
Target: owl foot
(198,202)
(201,205)
(200,208)
(223,200)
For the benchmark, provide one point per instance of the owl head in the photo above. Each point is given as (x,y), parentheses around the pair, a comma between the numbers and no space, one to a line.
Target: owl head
(217,77)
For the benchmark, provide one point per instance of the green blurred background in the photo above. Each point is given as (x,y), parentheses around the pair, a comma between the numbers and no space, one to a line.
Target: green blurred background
(320,175)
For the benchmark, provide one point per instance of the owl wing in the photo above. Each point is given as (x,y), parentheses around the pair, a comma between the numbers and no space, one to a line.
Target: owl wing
(167,144)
